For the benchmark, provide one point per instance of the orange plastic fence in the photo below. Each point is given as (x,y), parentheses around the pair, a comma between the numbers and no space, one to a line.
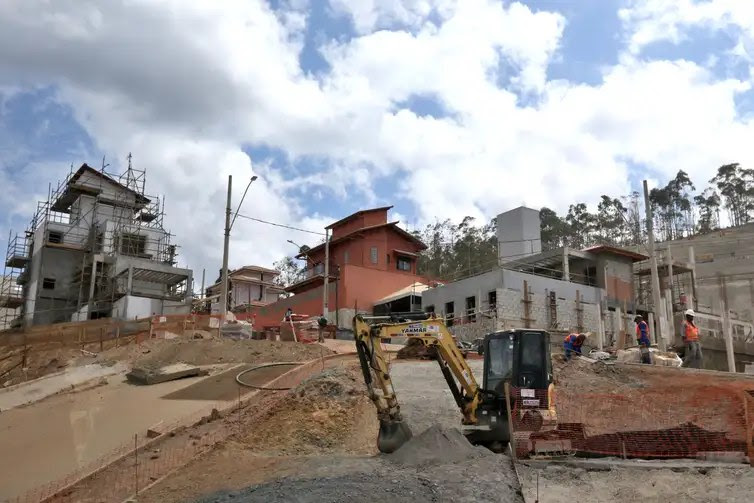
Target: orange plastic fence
(640,423)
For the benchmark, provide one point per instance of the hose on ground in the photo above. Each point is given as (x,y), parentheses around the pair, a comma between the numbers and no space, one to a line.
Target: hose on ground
(265,365)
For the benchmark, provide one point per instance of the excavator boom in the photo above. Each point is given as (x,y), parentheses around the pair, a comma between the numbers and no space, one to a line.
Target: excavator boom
(374,365)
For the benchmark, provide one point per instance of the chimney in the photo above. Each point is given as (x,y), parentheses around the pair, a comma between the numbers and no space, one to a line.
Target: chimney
(518,234)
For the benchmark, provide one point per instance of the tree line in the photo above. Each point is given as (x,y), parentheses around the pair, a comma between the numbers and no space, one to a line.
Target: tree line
(455,250)
(679,210)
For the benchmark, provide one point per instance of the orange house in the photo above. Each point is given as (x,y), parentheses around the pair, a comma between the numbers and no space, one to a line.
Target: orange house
(369,258)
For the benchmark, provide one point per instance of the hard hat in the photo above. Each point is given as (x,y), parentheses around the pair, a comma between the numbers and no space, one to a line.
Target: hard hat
(690,312)
(586,334)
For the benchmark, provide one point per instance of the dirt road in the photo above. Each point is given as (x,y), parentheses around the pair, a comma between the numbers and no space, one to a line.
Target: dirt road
(438,466)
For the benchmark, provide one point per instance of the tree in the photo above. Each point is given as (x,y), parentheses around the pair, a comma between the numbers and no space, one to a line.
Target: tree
(708,204)
(736,185)
(581,224)
(553,229)
(634,216)
(611,220)
(455,251)
(290,272)
(678,190)
(662,211)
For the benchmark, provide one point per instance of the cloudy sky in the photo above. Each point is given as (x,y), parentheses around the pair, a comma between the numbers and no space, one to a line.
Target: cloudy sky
(442,108)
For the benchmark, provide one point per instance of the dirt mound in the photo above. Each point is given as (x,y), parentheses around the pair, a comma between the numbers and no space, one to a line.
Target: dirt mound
(594,376)
(416,350)
(437,445)
(328,412)
(212,351)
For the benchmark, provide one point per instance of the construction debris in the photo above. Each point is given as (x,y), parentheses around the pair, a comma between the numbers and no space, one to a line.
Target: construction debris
(146,375)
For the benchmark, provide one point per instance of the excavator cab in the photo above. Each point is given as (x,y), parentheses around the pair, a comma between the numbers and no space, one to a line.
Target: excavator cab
(520,358)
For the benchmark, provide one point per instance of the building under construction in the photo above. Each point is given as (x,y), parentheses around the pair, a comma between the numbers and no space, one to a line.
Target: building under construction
(95,248)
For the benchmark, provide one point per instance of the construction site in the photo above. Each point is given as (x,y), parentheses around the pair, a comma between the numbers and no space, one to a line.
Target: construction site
(329,389)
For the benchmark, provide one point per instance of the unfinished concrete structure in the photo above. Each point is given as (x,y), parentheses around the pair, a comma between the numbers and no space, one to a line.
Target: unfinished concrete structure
(558,290)
(250,286)
(96,247)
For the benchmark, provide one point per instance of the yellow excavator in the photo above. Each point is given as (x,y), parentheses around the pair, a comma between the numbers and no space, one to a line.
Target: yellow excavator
(519,358)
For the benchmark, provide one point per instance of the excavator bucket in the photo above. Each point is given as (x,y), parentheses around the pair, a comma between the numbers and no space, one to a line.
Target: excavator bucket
(392,435)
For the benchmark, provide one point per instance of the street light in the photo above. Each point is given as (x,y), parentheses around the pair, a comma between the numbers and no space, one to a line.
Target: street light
(226,243)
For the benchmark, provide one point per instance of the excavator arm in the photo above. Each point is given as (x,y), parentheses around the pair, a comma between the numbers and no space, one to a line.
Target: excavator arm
(374,365)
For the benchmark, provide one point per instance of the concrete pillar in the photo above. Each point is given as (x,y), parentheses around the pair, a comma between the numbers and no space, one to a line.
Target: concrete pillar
(727,335)
(670,274)
(566,266)
(669,314)
(618,332)
(129,285)
(600,327)
(692,261)
(652,329)
(92,282)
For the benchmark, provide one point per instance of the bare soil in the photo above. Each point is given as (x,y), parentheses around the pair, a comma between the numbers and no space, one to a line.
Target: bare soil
(157,353)
(292,451)
(562,484)
(326,413)
(609,398)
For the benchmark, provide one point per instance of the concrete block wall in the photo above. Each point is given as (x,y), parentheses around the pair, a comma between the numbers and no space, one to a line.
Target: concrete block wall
(510,314)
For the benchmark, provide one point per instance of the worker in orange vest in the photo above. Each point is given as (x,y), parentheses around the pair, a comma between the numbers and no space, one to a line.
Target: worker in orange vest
(690,333)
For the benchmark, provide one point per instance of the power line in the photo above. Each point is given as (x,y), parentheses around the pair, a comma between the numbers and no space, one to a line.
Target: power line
(281,225)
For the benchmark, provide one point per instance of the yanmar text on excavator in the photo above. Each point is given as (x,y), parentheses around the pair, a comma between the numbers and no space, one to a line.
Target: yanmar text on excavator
(515,359)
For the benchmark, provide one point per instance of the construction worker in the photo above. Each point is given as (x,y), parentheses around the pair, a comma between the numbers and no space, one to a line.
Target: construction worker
(572,344)
(642,338)
(690,333)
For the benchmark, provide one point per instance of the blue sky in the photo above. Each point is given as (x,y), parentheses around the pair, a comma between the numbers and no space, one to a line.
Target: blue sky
(440,108)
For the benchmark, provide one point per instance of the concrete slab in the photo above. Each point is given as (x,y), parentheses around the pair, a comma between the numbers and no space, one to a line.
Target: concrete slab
(33,391)
(163,374)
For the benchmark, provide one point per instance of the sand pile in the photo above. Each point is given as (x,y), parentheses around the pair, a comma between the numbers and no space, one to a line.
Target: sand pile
(328,412)
(437,445)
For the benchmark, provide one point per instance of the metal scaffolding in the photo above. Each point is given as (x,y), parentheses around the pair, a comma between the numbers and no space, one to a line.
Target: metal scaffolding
(118,220)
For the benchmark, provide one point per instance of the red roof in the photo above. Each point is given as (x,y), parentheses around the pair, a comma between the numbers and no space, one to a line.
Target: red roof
(355,215)
(617,251)
(351,235)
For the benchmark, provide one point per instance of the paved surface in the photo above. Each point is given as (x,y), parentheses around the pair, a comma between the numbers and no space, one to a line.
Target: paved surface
(47,440)
(43,387)
(424,395)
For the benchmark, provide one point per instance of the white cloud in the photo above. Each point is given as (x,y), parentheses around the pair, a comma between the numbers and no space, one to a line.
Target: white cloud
(651,21)
(186,85)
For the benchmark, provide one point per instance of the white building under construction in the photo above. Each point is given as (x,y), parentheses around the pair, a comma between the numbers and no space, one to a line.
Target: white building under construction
(95,248)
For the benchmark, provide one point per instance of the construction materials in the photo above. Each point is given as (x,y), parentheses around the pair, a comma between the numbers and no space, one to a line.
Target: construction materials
(141,375)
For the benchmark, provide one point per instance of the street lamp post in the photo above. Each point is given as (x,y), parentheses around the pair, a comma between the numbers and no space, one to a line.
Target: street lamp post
(226,244)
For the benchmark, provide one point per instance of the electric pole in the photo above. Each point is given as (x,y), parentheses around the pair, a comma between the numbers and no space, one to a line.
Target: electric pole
(327,272)
(226,243)
(653,266)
